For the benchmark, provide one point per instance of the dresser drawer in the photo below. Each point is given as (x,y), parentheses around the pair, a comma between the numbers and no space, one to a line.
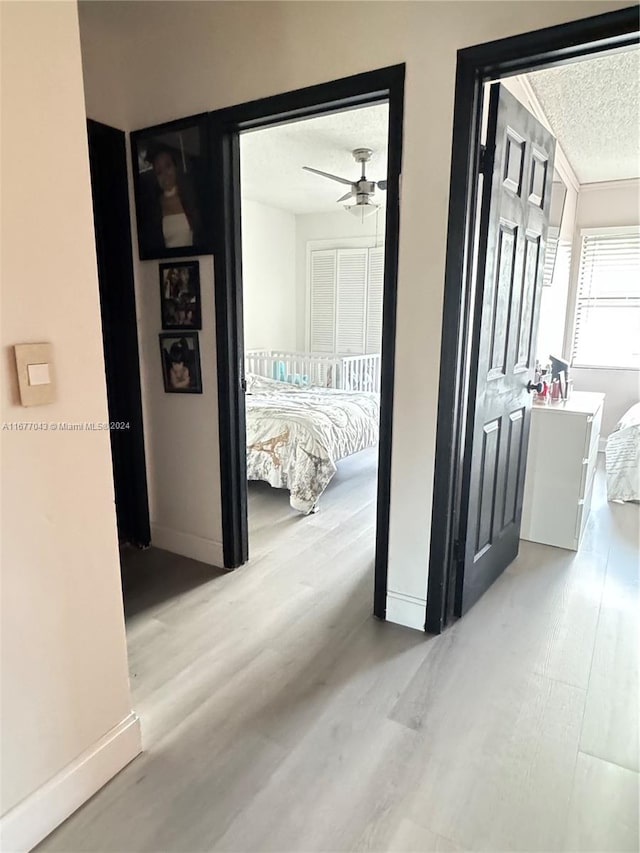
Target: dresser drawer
(584,508)
(589,466)
(594,423)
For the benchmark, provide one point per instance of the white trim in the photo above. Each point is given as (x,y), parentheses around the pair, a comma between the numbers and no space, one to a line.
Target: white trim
(577,365)
(26,824)
(208,551)
(407,610)
(609,230)
(602,444)
(598,186)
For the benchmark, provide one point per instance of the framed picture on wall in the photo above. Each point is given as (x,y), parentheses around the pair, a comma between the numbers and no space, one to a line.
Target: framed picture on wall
(180,295)
(173,188)
(180,355)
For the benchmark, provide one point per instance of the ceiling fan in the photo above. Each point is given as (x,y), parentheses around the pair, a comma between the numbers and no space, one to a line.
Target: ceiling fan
(361,190)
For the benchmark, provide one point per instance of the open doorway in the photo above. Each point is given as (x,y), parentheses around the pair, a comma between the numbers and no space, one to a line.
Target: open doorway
(312,275)
(366,90)
(478,478)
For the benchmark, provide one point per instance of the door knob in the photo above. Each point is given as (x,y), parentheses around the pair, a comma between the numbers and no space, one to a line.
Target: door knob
(534,386)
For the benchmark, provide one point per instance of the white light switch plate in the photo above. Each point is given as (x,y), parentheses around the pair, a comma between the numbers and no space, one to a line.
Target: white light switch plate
(36,376)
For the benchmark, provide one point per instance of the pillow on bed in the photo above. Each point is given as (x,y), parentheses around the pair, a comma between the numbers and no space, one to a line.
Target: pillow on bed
(261,385)
(630,418)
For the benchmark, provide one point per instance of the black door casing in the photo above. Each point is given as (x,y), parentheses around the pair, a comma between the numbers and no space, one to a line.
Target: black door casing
(513,230)
(109,189)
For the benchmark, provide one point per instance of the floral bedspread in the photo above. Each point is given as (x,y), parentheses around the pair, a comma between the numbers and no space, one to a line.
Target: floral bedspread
(295,436)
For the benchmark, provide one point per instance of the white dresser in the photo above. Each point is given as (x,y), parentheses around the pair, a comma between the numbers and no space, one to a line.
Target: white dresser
(561,465)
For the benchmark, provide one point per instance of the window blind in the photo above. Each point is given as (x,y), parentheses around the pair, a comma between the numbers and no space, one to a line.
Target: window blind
(550,256)
(374,300)
(323,301)
(345,300)
(607,330)
(351,301)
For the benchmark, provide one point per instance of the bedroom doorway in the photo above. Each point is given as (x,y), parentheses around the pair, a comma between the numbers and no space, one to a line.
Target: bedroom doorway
(371,375)
(313,195)
(463,310)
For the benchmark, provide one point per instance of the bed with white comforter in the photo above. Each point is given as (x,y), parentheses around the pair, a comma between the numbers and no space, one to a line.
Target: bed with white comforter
(295,436)
(623,458)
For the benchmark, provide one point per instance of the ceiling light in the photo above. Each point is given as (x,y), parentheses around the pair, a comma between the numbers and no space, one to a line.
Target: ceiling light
(362,210)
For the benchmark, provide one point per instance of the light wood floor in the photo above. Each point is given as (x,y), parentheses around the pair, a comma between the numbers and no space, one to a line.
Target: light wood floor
(278,715)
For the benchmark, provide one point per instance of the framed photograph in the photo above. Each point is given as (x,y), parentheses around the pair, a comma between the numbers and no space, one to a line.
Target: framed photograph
(173,189)
(180,295)
(181,363)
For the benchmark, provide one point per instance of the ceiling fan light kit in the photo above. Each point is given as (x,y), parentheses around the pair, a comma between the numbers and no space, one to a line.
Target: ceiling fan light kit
(362,209)
(361,190)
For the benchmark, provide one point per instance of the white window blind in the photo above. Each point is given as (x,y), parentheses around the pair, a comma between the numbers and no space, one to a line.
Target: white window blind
(352,297)
(607,332)
(550,254)
(345,300)
(374,300)
(323,301)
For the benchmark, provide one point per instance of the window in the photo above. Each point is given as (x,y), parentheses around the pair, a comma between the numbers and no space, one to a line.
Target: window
(607,332)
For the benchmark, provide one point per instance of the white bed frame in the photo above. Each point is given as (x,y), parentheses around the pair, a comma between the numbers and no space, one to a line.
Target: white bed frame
(346,372)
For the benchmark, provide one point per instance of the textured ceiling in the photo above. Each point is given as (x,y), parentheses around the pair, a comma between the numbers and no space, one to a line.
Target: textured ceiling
(271,160)
(593,107)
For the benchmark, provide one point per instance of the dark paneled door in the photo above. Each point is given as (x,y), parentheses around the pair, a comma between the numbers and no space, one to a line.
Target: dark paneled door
(513,229)
(109,187)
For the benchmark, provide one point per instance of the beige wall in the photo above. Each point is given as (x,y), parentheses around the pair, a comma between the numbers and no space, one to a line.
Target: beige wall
(179,58)
(64,665)
(181,430)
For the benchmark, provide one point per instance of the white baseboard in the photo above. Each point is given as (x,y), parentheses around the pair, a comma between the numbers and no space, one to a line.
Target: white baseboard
(406,610)
(26,824)
(187,545)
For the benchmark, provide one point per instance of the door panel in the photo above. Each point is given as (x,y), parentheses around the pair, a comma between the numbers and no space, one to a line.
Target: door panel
(513,228)
(512,472)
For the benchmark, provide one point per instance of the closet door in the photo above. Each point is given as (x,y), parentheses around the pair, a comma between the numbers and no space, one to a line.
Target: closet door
(375,289)
(351,301)
(323,301)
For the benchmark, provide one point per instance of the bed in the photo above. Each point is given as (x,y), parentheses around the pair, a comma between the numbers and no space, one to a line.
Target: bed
(623,458)
(296,435)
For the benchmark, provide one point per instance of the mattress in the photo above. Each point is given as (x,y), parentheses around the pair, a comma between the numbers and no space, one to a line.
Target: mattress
(623,458)
(296,436)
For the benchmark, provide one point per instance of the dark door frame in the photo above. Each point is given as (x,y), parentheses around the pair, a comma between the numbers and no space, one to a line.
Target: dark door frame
(112,226)
(386,84)
(475,66)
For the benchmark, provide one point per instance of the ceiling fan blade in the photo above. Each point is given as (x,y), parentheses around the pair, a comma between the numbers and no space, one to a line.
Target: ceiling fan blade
(327,175)
(382,185)
(344,197)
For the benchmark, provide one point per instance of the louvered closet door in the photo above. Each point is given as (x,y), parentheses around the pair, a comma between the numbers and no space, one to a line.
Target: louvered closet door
(352,300)
(323,301)
(374,300)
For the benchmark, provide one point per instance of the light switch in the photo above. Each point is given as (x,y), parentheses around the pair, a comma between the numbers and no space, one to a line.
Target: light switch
(36,375)
(39,374)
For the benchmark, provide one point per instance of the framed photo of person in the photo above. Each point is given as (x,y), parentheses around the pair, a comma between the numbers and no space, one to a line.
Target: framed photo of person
(173,188)
(180,355)
(180,295)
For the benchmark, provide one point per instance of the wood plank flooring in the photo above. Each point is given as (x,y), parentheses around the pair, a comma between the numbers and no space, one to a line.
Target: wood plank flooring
(278,715)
